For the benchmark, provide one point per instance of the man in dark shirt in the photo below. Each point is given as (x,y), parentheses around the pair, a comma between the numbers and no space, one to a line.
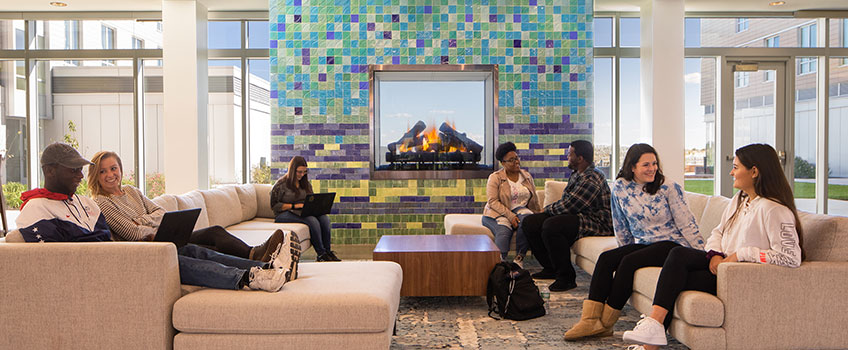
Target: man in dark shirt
(583,210)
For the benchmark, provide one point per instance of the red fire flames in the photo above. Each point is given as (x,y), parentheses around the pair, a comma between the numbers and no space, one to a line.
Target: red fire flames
(431,140)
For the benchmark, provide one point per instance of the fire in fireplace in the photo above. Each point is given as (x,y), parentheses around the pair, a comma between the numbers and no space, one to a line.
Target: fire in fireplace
(423,148)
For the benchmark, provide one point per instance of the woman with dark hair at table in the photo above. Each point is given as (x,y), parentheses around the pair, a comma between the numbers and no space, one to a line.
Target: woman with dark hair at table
(511,197)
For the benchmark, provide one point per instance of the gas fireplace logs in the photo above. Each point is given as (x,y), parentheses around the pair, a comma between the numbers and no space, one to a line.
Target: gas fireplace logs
(428,148)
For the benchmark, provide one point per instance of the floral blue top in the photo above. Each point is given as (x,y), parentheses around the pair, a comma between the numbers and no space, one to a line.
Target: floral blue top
(642,218)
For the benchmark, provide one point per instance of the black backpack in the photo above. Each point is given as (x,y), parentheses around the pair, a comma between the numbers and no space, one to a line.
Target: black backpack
(512,294)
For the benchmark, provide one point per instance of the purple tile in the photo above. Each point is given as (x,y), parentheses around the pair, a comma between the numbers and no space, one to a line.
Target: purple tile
(516,18)
(395,60)
(419,43)
(387,35)
(445,60)
(298,111)
(557,69)
(566,60)
(273,93)
(516,43)
(541,69)
(395,18)
(363,85)
(354,68)
(296,18)
(572,35)
(452,43)
(469,18)
(549,44)
(305,61)
(370,27)
(525,85)
(273,44)
(534,60)
(532,2)
(331,35)
(297,2)
(281,27)
(428,9)
(493,18)
(384,225)
(304,52)
(331,60)
(354,18)
(322,76)
(572,77)
(298,85)
(315,146)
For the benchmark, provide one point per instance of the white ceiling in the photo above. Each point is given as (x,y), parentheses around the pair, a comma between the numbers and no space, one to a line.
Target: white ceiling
(262,5)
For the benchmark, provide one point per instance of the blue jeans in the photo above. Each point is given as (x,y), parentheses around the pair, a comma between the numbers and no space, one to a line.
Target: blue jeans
(503,236)
(205,267)
(319,229)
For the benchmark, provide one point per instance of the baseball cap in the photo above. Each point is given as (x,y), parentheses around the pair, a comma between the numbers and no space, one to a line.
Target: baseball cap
(64,155)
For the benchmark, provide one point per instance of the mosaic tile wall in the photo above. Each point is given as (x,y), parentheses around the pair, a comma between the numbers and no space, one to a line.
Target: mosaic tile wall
(320,52)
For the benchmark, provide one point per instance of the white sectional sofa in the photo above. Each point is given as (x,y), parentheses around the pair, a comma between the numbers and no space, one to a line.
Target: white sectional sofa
(127,295)
(757,306)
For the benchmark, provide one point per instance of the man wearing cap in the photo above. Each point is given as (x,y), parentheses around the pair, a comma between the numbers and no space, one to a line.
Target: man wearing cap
(55,213)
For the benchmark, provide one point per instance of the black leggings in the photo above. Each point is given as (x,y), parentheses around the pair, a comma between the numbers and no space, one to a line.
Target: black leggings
(219,240)
(550,239)
(684,269)
(623,262)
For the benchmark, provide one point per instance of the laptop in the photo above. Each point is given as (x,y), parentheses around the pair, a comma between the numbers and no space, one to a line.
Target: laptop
(317,204)
(177,226)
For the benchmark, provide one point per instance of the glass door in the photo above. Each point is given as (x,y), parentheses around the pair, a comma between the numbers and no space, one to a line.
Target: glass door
(754,99)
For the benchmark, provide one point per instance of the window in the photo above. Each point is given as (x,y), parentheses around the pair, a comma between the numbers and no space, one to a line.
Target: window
(768,76)
(741,25)
(72,35)
(137,43)
(602,31)
(742,79)
(224,34)
(808,36)
(108,40)
(629,32)
(807,65)
(699,161)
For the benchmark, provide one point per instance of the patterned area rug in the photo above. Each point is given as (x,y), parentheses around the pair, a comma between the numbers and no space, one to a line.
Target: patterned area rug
(462,322)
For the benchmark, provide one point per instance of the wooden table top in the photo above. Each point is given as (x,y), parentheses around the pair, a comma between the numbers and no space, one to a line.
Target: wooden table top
(435,243)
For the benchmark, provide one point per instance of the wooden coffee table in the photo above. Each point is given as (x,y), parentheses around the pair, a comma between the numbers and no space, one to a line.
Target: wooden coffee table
(441,265)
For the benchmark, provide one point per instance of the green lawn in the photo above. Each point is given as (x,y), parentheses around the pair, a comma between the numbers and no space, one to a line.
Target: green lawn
(802,189)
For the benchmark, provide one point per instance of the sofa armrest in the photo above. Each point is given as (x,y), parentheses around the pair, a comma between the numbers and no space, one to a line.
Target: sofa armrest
(88,295)
(770,307)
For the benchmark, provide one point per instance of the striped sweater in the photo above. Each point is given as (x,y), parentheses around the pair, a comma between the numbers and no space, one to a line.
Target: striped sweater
(131,216)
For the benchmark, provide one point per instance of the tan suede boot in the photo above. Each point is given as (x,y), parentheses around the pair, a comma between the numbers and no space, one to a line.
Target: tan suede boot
(608,318)
(590,321)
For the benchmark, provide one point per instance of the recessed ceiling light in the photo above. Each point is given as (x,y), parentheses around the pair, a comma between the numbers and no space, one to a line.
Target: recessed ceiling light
(777,3)
(58,4)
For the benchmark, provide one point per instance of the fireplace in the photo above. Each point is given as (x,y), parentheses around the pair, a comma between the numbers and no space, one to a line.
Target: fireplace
(432,121)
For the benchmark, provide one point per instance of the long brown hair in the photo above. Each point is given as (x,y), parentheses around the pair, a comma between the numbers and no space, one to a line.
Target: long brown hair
(633,154)
(94,171)
(770,184)
(290,177)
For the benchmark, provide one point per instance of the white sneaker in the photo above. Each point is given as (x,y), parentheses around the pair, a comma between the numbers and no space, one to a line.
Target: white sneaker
(269,280)
(519,260)
(635,347)
(287,255)
(647,331)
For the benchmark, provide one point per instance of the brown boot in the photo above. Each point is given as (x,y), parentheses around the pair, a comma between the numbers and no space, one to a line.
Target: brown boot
(608,318)
(590,321)
(263,252)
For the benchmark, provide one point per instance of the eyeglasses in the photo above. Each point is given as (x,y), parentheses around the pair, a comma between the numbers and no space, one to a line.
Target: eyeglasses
(512,160)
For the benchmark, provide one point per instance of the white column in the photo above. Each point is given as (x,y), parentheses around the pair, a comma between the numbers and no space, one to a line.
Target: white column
(185,84)
(662,83)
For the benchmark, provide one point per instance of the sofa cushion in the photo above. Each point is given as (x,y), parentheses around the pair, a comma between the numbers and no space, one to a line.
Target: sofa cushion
(696,202)
(194,199)
(592,247)
(167,202)
(247,197)
(222,206)
(553,191)
(824,237)
(466,224)
(696,308)
(263,201)
(712,215)
(343,297)
(256,231)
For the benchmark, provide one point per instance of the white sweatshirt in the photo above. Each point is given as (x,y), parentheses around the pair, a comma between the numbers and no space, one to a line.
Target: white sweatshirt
(763,231)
